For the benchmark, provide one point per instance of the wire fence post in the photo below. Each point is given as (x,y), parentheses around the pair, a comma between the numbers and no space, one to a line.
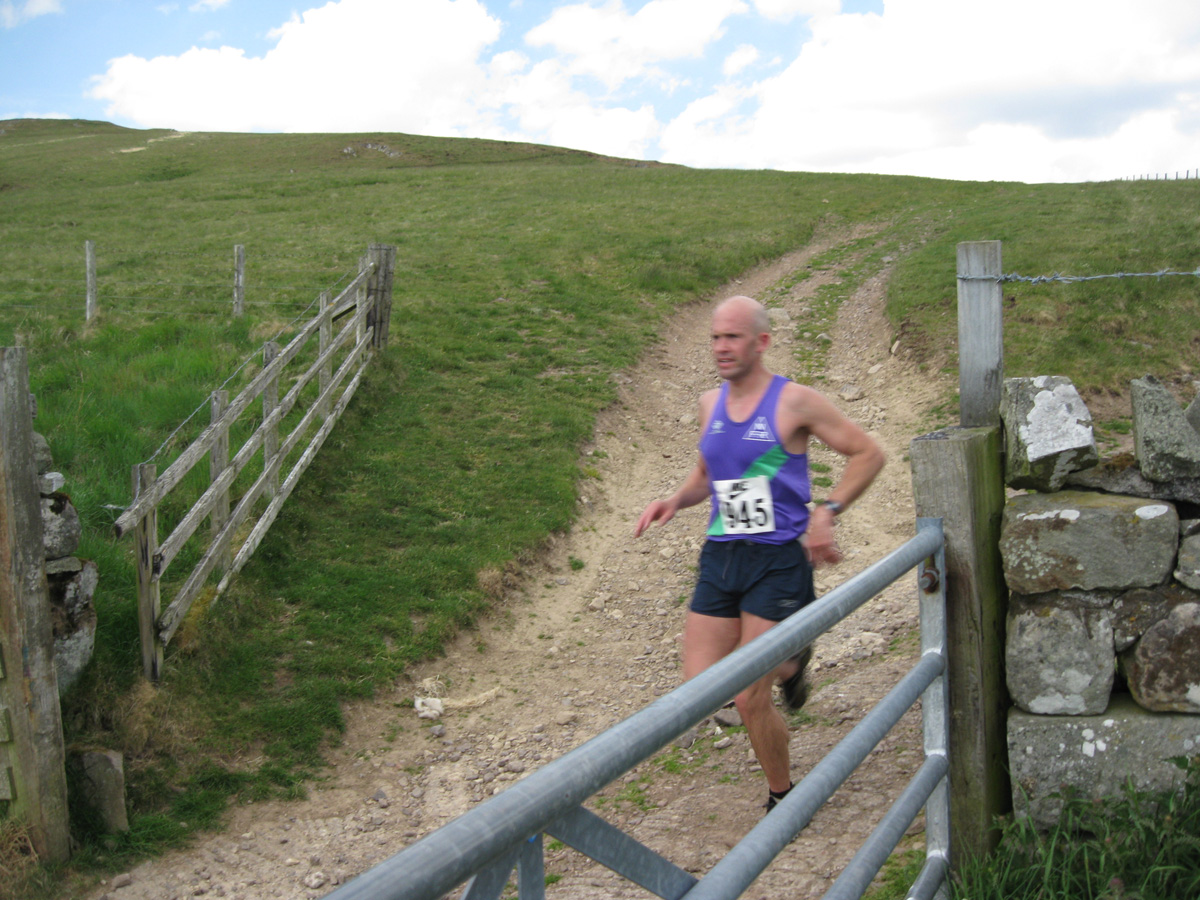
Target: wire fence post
(89,260)
(239,279)
(980,336)
(380,291)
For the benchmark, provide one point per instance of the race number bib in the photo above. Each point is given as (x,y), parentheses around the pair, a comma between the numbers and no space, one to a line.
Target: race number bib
(745,505)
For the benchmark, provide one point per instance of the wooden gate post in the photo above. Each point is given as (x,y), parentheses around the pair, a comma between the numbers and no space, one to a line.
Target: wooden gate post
(32,760)
(89,263)
(980,335)
(957,475)
(379,294)
(149,591)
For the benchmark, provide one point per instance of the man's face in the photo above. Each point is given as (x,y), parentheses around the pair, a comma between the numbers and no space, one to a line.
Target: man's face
(736,348)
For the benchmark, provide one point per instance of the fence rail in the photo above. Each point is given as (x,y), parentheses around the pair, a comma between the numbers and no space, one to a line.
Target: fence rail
(363,307)
(486,843)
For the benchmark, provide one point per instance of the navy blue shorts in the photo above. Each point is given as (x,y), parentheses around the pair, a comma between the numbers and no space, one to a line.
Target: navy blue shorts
(771,581)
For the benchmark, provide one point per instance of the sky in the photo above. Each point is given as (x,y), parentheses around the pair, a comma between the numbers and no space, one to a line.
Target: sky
(1006,90)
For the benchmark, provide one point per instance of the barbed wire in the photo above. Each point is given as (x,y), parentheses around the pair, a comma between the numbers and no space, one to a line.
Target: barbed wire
(1072,279)
(225,383)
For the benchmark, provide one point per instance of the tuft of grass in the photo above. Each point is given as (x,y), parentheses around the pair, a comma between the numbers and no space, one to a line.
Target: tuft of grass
(1138,845)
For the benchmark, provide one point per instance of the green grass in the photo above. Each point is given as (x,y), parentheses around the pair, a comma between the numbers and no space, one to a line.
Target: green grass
(1138,845)
(526,277)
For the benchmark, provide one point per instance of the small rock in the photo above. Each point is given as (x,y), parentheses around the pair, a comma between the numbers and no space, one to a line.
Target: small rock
(315,880)
(122,880)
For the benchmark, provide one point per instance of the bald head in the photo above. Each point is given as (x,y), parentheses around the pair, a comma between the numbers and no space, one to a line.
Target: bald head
(747,310)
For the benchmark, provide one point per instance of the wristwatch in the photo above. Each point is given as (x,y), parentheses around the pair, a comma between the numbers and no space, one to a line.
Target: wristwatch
(834,507)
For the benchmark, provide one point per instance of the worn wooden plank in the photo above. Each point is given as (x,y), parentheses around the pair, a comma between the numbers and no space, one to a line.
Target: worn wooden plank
(32,764)
(958,476)
(183,464)
(148,591)
(980,335)
(173,616)
(187,526)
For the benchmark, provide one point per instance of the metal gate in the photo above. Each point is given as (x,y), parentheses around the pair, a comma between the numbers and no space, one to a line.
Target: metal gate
(483,846)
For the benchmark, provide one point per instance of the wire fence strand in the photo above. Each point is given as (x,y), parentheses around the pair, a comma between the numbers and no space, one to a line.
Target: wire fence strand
(1073,279)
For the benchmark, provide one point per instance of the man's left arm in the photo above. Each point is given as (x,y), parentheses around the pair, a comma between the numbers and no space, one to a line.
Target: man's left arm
(864,459)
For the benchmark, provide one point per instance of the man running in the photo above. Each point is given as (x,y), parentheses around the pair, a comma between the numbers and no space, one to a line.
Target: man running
(756,565)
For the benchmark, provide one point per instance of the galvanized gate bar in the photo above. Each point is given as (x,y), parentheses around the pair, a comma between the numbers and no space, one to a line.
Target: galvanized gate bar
(531,870)
(746,861)
(857,875)
(490,880)
(931,880)
(487,833)
(610,846)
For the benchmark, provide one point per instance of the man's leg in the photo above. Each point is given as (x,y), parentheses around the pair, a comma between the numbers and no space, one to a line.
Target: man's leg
(768,732)
(707,639)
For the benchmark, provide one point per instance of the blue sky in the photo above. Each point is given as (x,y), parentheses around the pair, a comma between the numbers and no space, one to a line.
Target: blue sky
(1027,90)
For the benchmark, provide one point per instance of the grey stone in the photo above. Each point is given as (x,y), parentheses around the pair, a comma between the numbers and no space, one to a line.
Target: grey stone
(1083,540)
(1192,413)
(101,782)
(1187,570)
(73,651)
(1163,669)
(1095,755)
(41,454)
(1120,475)
(1136,610)
(61,530)
(1165,443)
(728,718)
(63,565)
(1059,655)
(50,483)
(1047,432)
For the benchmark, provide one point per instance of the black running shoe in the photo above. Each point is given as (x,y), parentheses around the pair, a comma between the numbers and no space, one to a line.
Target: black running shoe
(795,689)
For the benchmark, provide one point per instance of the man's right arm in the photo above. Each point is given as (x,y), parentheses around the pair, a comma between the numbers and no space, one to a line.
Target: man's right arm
(693,490)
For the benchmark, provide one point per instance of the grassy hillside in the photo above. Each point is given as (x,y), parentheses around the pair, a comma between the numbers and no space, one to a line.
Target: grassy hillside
(526,277)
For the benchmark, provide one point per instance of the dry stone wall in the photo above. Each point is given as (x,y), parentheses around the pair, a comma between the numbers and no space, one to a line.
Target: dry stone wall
(1102,559)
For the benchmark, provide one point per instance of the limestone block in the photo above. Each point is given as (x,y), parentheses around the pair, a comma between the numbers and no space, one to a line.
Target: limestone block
(1163,669)
(1095,755)
(41,454)
(73,650)
(1165,443)
(1187,569)
(1135,611)
(100,779)
(1120,475)
(1059,657)
(1047,432)
(1083,540)
(61,530)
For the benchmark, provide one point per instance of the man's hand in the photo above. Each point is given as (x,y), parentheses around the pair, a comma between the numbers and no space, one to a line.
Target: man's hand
(659,511)
(822,538)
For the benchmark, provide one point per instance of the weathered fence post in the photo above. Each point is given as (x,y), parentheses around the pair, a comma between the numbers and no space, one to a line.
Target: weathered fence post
(957,475)
(360,302)
(89,261)
(380,291)
(270,400)
(145,536)
(32,758)
(218,459)
(980,336)
(324,339)
(239,279)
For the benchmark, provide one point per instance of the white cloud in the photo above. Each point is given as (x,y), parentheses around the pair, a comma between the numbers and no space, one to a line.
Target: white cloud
(745,55)
(207,5)
(787,10)
(13,14)
(321,75)
(614,46)
(941,87)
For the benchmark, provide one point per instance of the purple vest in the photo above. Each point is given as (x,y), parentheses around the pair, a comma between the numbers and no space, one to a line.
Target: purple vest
(760,492)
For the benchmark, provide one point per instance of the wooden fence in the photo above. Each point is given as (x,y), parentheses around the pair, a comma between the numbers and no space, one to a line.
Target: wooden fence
(362,310)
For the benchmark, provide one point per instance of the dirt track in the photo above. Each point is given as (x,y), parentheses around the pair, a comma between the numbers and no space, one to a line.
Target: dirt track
(594,636)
